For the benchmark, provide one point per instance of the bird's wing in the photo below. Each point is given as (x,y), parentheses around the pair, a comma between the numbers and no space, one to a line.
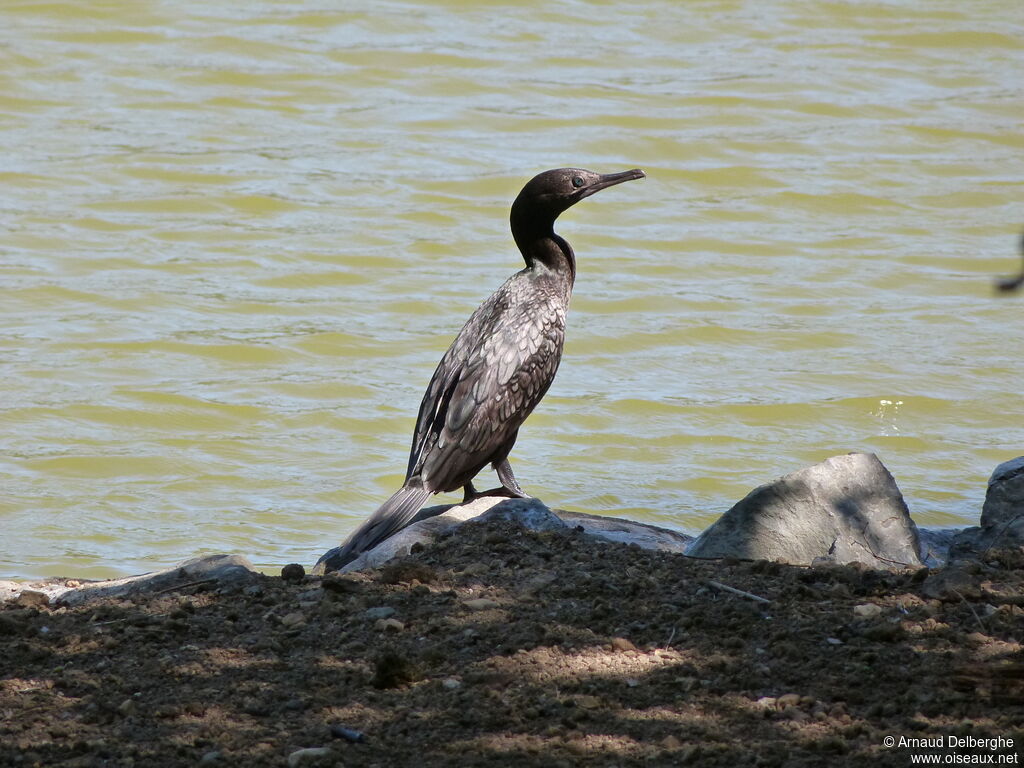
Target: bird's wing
(487,383)
(449,372)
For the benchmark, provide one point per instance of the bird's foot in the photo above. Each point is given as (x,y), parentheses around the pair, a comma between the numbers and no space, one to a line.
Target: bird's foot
(472,494)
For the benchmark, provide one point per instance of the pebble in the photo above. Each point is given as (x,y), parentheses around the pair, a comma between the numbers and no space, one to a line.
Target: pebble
(451,683)
(380,612)
(389,625)
(481,604)
(209,758)
(867,610)
(348,734)
(307,755)
(787,700)
(30,598)
(671,742)
(293,620)
(293,572)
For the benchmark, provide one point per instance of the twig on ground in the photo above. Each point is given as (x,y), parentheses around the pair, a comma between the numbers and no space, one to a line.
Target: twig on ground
(971,608)
(185,586)
(740,592)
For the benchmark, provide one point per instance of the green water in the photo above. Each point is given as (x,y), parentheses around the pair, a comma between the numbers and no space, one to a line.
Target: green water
(235,238)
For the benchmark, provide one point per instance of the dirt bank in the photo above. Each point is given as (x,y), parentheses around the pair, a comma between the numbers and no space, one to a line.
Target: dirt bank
(504,647)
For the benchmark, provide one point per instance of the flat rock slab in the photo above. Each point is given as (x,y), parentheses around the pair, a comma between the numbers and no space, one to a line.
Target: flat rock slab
(624,531)
(530,513)
(431,522)
(212,568)
(845,509)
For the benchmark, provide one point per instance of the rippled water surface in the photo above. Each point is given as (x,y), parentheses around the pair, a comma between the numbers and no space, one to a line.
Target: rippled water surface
(236,237)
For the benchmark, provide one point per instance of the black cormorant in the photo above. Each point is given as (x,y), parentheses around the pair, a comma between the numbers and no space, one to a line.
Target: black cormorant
(497,369)
(1015,282)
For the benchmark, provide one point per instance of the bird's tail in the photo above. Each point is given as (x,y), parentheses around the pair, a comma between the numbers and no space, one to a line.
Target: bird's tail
(391,517)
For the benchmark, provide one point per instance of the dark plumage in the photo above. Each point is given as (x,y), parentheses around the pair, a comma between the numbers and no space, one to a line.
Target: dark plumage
(497,369)
(1013,283)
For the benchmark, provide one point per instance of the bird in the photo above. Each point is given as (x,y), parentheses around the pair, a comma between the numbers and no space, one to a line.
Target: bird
(496,370)
(1009,284)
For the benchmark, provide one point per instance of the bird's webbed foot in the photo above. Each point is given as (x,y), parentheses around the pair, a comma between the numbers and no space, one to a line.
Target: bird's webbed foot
(509,488)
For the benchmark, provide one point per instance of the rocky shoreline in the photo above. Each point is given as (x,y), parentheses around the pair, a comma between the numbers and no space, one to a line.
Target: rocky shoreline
(515,635)
(846,509)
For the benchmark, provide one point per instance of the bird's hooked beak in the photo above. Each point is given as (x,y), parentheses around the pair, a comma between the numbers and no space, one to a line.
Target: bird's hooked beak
(610,179)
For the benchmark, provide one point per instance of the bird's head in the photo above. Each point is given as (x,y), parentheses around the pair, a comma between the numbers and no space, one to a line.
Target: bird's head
(552,192)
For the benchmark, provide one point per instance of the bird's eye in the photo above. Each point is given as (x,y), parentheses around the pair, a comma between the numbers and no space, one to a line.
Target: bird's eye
(577,181)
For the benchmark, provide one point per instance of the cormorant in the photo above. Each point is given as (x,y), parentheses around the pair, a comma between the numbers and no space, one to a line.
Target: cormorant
(497,369)
(1013,283)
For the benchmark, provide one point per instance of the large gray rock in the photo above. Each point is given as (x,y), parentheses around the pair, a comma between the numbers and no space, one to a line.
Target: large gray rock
(1002,516)
(845,509)
(212,568)
(1004,499)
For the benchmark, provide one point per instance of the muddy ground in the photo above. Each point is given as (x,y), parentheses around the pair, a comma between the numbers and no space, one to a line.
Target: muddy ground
(502,647)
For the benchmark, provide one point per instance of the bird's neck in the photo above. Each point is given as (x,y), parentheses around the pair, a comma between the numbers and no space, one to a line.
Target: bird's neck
(541,247)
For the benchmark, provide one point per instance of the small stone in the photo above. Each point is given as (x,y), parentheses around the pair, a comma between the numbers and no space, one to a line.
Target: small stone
(833,641)
(622,644)
(767,702)
(210,758)
(671,742)
(348,734)
(307,755)
(380,612)
(293,572)
(867,610)
(788,700)
(589,702)
(632,682)
(30,598)
(481,604)
(293,620)
(451,683)
(389,625)
(127,707)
